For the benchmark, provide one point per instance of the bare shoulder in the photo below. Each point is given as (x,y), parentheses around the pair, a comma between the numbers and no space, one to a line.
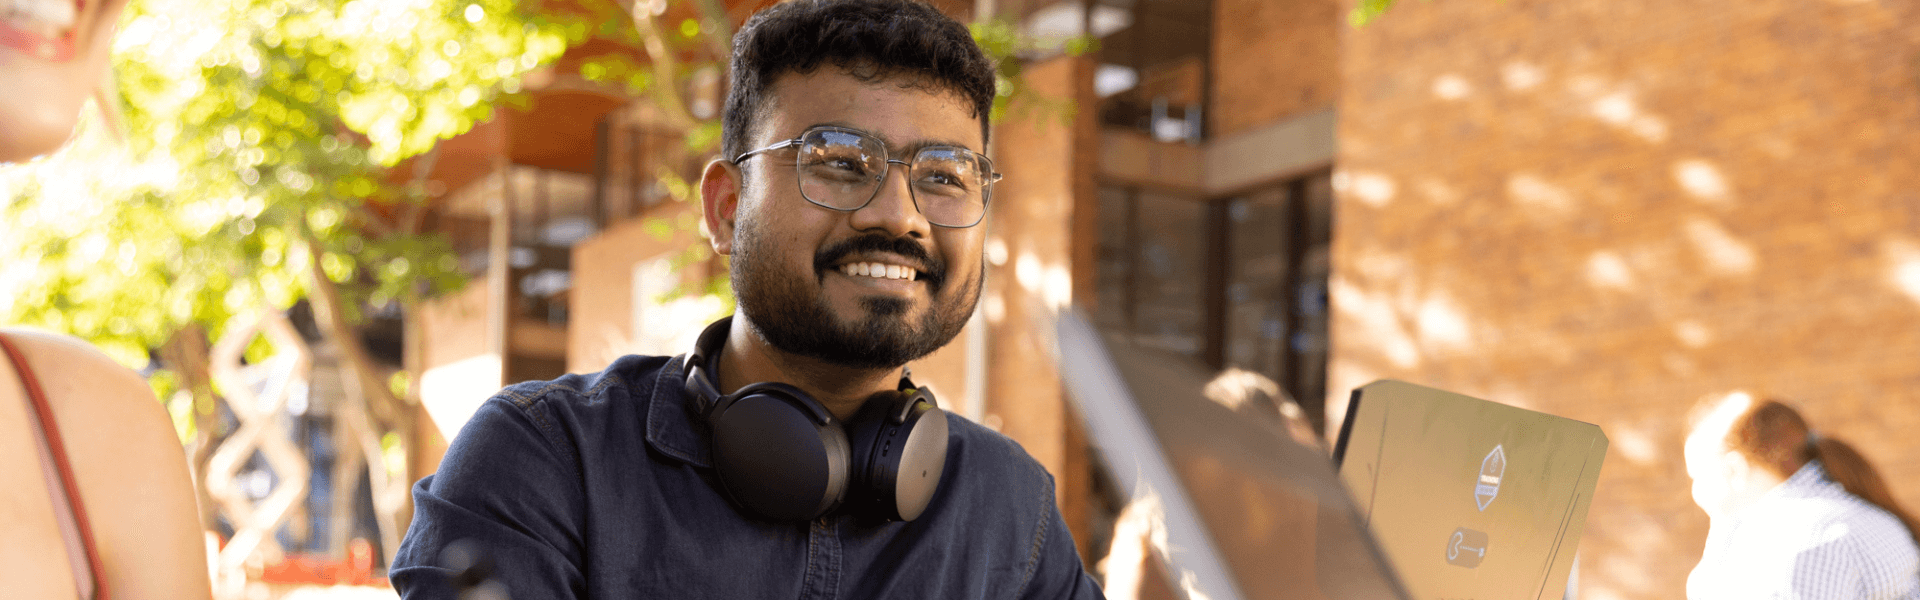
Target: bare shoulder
(82,377)
(127,462)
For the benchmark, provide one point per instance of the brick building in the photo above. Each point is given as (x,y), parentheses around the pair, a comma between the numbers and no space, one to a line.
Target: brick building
(1602,210)
(1606,210)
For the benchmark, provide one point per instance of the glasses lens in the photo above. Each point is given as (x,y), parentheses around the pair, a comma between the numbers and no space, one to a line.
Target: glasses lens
(950,185)
(838,169)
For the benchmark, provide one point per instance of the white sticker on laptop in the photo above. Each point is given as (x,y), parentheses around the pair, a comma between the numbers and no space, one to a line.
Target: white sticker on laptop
(1491,470)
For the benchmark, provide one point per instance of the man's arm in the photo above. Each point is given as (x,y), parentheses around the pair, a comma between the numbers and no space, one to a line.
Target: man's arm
(508,489)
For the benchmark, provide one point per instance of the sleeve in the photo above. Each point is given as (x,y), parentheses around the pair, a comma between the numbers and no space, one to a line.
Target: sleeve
(508,494)
(1056,570)
(1828,568)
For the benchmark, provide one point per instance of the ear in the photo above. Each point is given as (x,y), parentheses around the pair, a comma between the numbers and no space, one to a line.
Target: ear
(720,201)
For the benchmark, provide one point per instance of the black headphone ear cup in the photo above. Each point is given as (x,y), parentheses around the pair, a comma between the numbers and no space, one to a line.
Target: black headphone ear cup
(777,454)
(900,451)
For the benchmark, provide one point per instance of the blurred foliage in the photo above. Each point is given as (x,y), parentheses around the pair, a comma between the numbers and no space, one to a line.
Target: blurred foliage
(1367,11)
(253,127)
(1006,45)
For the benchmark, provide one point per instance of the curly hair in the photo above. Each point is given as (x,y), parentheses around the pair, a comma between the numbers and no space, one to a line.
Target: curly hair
(873,40)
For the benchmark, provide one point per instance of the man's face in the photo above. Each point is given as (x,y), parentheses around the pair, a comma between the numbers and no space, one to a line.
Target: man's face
(797,267)
(53,54)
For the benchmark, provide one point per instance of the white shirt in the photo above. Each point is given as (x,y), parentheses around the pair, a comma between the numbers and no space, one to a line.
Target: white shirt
(1808,539)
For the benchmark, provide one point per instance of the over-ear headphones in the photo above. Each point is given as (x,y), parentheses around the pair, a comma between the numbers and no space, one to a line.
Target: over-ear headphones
(779,454)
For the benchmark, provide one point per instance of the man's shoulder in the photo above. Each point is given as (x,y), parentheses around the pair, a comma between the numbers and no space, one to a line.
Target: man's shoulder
(994,457)
(632,376)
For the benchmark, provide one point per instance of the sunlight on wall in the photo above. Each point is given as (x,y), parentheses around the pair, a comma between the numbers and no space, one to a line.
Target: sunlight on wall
(1634,443)
(1520,76)
(1620,110)
(996,251)
(1903,267)
(1633,570)
(1606,270)
(1375,320)
(1616,105)
(1693,333)
(1723,253)
(1028,272)
(1702,181)
(1442,326)
(1539,197)
(452,392)
(1051,283)
(1058,291)
(1372,189)
(1451,87)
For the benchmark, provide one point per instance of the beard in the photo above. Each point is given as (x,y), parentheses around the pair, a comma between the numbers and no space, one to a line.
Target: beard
(790,312)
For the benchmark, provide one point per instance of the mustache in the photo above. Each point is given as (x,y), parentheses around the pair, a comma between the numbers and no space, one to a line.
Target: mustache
(932,269)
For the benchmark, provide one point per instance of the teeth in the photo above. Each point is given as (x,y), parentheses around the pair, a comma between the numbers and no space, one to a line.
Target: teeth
(879,271)
(50,18)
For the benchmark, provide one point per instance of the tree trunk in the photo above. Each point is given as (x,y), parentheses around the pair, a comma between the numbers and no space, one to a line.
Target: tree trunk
(186,353)
(374,406)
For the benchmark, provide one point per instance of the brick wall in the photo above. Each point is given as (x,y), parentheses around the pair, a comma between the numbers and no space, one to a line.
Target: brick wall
(1605,209)
(1272,59)
(1032,247)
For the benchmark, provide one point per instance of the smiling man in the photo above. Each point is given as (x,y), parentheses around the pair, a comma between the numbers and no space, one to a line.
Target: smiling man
(788,454)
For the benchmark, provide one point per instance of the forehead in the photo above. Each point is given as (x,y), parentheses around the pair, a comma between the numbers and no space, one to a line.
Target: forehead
(901,111)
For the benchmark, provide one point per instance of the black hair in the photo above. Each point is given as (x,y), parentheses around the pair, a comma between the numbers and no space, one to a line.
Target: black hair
(872,39)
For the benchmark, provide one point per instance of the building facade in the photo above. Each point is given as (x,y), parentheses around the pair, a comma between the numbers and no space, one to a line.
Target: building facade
(1601,210)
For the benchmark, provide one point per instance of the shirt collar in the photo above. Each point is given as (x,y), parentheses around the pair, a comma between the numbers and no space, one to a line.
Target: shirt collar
(671,427)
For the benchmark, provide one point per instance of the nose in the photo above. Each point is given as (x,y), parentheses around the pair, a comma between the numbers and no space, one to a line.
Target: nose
(892,209)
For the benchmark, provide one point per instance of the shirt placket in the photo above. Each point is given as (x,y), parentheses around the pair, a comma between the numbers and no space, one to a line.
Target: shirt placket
(823,560)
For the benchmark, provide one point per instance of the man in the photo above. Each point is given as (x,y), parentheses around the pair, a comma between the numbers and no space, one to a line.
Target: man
(1794,514)
(788,455)
(98,498)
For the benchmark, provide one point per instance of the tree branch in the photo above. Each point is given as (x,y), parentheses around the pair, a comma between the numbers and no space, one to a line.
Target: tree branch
(328,314)
(665,88)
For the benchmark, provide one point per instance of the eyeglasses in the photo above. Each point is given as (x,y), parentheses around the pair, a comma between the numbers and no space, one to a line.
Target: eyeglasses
(842,169)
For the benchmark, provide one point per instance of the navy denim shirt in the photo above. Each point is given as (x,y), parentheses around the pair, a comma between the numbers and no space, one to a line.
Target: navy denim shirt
(599,486)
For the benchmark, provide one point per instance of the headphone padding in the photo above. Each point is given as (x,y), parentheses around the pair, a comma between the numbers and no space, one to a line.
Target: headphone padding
(776,459)
(902,438)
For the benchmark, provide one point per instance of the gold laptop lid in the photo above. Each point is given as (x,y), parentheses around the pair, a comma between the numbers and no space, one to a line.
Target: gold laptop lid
(1469,498)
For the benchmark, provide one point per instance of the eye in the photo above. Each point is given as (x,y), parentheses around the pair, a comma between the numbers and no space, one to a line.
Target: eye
(844,167)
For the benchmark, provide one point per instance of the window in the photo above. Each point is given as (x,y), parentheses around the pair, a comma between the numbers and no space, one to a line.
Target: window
(1232,282)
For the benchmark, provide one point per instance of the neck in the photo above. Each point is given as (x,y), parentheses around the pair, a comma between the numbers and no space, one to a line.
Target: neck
(748,359)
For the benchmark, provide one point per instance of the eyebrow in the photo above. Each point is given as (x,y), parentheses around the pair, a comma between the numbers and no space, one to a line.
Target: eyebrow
(908,149)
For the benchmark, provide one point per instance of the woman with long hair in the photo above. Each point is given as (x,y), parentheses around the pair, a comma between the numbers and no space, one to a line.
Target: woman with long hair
(1795,513)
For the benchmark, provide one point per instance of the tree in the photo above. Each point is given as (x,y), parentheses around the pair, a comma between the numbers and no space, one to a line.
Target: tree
(253,169)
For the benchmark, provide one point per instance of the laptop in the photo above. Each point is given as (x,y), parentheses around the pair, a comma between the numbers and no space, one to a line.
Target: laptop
(1250,506)
(1469,498)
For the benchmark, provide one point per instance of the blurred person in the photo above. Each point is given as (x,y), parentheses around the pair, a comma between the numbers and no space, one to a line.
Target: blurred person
(94,489)
(789,454)
(1795,514)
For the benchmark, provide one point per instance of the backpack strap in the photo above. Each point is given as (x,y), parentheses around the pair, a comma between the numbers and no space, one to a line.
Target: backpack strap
(58,471)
